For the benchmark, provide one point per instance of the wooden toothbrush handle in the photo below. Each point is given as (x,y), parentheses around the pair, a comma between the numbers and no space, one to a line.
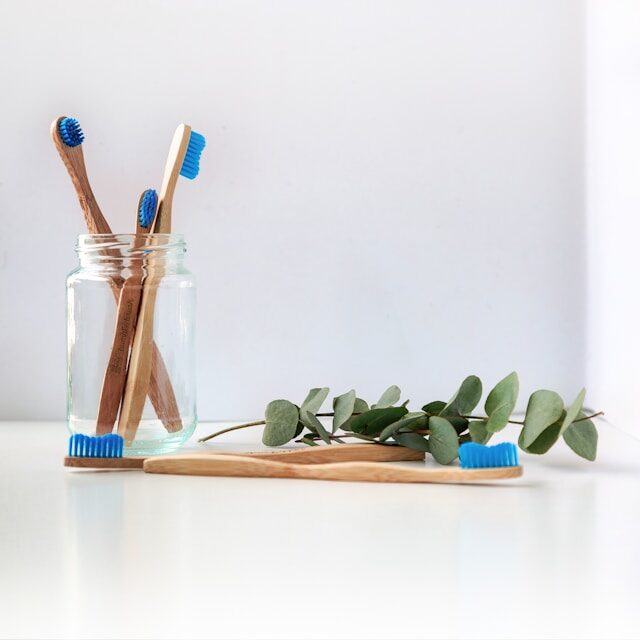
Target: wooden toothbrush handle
(340,453)
(309,455)
(238,466)
(160,389)
(116,372)
(140,364)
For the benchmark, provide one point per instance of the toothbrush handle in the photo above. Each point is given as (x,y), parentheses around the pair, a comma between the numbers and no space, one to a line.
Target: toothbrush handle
(140,362)
(308,455)
(340,453)
(238,466)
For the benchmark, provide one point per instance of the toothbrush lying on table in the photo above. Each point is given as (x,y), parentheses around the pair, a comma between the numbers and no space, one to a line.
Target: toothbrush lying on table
(105,452)
(478,463)
(183,159)
(68,137)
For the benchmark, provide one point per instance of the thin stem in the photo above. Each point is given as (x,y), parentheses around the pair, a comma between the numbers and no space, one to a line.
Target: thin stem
(239,426)
(593,415)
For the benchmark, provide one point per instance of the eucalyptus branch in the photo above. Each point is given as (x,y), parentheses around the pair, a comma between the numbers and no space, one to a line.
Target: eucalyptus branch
(439,427)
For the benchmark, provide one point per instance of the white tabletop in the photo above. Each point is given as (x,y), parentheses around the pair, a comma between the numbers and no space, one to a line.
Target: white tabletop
(555,554)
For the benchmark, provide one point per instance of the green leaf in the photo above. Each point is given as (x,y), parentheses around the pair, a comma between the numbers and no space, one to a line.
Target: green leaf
(299,429)
(359,407)
(478,431)
(388,398)
(309,418)
(443,440)
(544,441)
(281,423)
(412,441)
(465,399)
(543,410)
(411,420)
(314,400)
(434,408)
(573,411)
(501,402)
(310,442)
(459,423)
(343,407)
(582,438)
(375,420)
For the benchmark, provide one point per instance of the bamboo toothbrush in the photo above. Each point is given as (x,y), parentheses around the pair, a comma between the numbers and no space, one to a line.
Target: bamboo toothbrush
(67,136)
(128,305)
(492,463)
(105,452)
(183,159)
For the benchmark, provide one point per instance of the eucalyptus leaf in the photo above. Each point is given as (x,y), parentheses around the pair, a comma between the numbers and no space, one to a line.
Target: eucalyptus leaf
(459,423)
(343,407)
(465,399)
(375,420)
(310,442)
(478,431)
(299,429)
(416,414)
(582,438)
(434,408)
(314,400)
(544,409)
(573,411)
(544,441)
(501,402)
(309,418)
(281,418)
(388,398)
(305,422)
(443,440)
(359,407)
(410,420)
(412,441)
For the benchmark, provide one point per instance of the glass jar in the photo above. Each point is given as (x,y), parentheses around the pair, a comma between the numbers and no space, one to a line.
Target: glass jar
(130,341)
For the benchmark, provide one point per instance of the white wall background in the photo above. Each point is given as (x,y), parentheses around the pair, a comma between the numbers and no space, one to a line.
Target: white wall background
(613,170)
(392,191)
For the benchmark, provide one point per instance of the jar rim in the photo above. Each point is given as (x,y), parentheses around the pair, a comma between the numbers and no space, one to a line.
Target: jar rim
(178,237)
(112,245)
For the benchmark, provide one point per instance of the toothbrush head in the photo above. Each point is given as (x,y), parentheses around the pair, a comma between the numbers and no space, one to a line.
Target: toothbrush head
(191,163)
(70,132)
(109,445)
(478,456)
(147,208)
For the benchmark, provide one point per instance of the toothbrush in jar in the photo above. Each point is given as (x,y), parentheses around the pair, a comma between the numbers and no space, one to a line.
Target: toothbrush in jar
(128,305)
(183,160)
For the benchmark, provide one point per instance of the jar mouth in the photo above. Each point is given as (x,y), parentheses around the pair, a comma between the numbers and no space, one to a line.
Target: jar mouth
(109,246)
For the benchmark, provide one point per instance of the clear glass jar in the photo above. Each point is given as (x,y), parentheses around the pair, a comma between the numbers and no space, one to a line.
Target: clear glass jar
(159,288)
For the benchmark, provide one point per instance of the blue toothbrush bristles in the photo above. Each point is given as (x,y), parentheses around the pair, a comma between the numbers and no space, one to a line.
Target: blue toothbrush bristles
(147,208)
(191,163)
(479,456)
(70,132)
(109,445)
